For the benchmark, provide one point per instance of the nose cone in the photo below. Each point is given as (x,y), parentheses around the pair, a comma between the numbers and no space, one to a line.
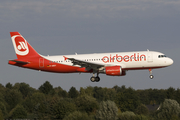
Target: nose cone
(170,61)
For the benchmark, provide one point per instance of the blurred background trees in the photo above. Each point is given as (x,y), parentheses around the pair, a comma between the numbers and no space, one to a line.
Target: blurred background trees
(20,101)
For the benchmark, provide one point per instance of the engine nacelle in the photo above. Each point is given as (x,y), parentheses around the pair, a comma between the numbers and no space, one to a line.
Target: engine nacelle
(114,71)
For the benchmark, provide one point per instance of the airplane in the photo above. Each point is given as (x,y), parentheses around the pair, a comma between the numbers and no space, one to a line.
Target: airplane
(112,64)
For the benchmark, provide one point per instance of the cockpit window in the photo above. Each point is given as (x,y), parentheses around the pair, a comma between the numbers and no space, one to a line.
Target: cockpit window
(161,56)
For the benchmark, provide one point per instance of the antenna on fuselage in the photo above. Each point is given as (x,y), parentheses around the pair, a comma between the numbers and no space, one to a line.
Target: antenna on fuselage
(148,50)
(75,53)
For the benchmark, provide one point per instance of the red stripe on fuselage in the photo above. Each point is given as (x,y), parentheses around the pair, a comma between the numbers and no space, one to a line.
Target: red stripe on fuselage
(143,68)
(49,66)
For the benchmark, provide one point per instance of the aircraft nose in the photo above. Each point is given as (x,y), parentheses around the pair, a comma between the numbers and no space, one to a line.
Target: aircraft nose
(170,61)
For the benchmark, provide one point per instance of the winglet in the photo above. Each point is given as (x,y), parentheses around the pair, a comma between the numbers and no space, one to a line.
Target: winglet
(65,58)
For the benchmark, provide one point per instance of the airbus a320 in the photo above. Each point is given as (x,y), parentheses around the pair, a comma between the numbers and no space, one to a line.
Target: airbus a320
(112,64)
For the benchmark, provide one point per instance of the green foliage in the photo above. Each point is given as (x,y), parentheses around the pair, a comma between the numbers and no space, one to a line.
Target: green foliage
(61,92)
(170,93)
(16,86)
(31,101)
(3,108)
(156,96)
(142,109)
(86,103)
(119,89)
(151,96)
(143,96)
(55,103)
(143,117)
(46,88)
(1,86)
(107,111)
(41,110)
(128,115)
(2,89)
(61,108)
(12,97)
(1,115)
(89,91)
(127,100)
(73,93)
(104,94)
(177,95)
(24,89)
(169,110)
(9,85)
(2,97)
(82,91)
(77,116)
(18,112)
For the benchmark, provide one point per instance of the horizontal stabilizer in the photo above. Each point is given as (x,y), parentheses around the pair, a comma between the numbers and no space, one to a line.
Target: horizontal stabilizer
(19,62)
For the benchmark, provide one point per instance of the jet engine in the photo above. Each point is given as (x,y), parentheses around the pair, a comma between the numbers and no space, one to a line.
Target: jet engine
(114,71)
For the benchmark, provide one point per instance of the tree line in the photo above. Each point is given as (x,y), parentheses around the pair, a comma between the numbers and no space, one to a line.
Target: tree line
(20,101)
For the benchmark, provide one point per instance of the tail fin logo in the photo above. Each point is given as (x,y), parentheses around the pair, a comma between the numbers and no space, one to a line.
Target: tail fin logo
(20,45)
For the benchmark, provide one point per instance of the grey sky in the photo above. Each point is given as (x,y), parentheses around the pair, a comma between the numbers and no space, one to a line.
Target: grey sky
(59,27)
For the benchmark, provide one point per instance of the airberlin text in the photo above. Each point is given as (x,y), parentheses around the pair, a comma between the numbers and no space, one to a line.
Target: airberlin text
(125,58)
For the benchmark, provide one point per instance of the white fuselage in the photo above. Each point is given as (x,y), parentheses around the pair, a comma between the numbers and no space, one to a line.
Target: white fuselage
(127,60)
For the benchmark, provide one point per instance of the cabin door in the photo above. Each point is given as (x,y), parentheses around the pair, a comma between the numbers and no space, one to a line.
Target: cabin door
(150,57)
(41,62)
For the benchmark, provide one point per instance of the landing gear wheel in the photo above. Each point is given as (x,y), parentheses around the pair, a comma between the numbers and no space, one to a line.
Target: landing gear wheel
(93,79)
(150,72)
(151,76)
(97,79)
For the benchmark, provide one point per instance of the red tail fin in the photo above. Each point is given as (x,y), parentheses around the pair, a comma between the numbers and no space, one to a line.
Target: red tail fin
(22,48)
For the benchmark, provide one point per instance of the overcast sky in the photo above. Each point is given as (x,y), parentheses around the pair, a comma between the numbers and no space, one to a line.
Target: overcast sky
(59,27)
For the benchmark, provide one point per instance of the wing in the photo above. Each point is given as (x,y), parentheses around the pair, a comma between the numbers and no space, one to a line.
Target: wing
(87,65)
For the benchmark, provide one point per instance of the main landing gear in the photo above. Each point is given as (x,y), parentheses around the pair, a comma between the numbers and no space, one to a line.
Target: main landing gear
(150,72)
(95,79)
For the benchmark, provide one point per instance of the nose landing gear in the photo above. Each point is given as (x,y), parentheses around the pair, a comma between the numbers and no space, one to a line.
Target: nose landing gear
(150,72)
